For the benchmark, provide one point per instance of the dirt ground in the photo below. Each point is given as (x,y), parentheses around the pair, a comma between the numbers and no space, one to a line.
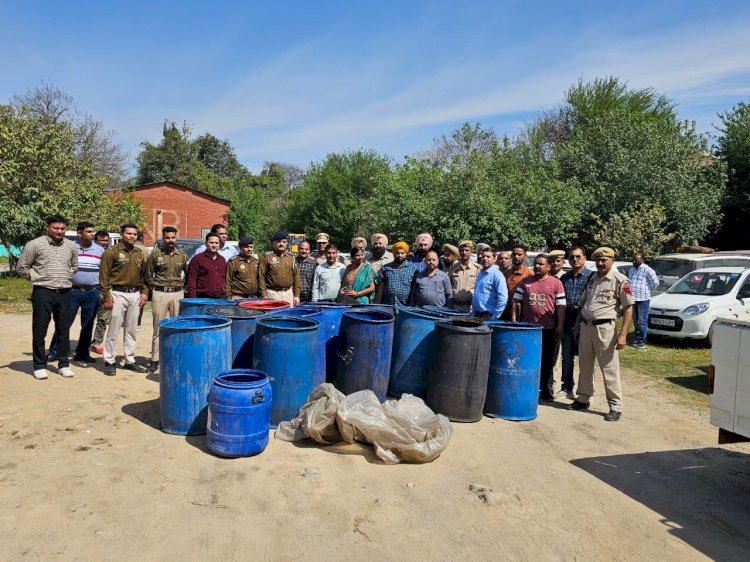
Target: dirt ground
(86,474)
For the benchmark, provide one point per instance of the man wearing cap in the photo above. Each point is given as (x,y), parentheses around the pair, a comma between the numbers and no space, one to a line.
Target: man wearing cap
(306,265)
(517,273)
(379,256)
(322,240)
(394,279)
(165,268)
(422,244)
(606,294)
(557,261)
(449,257)
(463,275)
(241,279)
(490,290)
(278,275)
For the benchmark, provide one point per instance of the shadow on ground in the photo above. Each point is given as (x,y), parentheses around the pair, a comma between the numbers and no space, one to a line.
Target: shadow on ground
(146,412)
(703,495)
(698,383)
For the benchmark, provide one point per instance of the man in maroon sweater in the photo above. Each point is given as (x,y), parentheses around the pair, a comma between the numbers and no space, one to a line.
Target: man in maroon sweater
(206,272)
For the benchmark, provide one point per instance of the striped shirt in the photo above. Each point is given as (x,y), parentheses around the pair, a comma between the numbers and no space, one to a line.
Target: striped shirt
(396,282)
(540,299)
(48,264)
(643,280)
(89,261)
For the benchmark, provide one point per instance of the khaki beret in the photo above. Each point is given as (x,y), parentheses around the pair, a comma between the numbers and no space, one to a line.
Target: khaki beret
(321,237)
(451,248)
(468,243)
(557,254)
(603,252)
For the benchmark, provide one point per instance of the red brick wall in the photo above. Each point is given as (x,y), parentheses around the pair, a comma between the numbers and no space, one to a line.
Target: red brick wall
(186,210)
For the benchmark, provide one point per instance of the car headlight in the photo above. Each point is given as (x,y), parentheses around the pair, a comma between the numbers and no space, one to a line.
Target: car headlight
(696,309)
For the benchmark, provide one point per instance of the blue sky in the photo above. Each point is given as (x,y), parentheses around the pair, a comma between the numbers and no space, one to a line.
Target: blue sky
(293,81)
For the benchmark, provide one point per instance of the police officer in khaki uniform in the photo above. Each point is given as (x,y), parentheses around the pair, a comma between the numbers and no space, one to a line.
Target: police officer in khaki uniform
(242,272)
(605,295)
(278,276)
(463,275)
(124,291)
(165,271)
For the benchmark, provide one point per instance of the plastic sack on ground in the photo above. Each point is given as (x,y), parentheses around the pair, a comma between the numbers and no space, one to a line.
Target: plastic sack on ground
(400,430)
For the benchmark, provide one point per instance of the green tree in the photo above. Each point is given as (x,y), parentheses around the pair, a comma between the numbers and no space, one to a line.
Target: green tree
(640,228)
(733,146)
(40,174)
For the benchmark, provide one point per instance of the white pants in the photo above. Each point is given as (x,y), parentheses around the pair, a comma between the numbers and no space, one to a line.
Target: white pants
(125,309)
(286,296)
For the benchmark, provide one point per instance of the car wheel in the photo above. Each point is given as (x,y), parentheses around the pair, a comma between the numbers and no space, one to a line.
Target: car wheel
(710,336)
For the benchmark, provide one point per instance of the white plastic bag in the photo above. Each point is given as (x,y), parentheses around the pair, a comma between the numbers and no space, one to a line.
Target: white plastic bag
(400,430)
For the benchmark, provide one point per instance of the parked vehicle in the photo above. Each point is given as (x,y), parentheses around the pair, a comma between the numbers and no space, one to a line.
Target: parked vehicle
(690,308)
(187,245)
(671,267)
(729,379)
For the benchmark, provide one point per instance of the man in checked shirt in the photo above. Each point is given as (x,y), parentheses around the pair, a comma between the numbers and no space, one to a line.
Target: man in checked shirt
(643,280)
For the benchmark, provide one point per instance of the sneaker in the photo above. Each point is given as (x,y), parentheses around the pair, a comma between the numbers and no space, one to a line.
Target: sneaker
(66,372)
(570,395)
(640,345)
(576,405)
(85,360)
(153,367)
(110,369)
(40,374)
(135,367)
(99,349)
(613,416)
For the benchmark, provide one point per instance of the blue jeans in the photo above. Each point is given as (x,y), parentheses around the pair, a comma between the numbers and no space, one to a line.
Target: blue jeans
(88,302)
(640,320)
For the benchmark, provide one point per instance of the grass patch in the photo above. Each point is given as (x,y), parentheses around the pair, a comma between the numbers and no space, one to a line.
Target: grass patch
(14,295)
(678,366)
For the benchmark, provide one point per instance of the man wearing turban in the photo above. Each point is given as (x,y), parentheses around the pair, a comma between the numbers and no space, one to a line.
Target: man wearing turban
(422,245)
(395,278)
(379,256)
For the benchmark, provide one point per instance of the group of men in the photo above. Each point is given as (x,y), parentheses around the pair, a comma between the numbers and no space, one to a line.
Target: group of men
(577,309)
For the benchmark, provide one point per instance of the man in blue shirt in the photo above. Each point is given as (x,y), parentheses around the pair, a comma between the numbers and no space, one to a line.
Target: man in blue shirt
(84,294)
(574,282)
(394,279)
(490,290)
(431,286)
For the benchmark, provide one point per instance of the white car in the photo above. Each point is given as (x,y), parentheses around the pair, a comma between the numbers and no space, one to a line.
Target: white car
(690,307)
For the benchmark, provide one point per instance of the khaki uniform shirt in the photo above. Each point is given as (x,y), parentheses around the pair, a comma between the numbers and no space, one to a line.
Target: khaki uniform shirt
(377,263)
(278,273)
(166,270)
(463,280)
(242,277)
(121,266)
(604,297)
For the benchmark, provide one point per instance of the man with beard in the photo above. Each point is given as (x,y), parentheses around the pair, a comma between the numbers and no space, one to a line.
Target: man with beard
(517,273)
(394,279)
(431,286)
(422,244)
(379,256)
(541,300)
(449,257)
(306,265)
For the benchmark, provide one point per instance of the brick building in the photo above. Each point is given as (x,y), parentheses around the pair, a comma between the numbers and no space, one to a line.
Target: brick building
(190,211)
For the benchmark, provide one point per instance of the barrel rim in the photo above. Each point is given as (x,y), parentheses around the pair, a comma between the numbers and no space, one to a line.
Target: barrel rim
(305,324)
(353,314)
(219,322)
(454,325)
(288,311)
(517,326)
(222,379)
(250,313)
(327,304)
(422,313)
(445,310)
(203,300)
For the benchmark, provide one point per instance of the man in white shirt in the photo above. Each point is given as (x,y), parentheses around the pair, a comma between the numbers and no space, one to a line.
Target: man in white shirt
(328,276)
(227,251)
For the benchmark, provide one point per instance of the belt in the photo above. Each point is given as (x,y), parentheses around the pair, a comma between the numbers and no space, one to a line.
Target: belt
(85,287)
(277,289)
(597,322)
(59,291)
(124,289)
(167,289)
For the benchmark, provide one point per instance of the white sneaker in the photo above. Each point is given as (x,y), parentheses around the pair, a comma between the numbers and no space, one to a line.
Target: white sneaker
(66,372)
(40,374)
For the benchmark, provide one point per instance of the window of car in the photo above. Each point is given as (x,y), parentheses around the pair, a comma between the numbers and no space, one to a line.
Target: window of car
(705,283)
(744,292)
(672,267)
(736,262)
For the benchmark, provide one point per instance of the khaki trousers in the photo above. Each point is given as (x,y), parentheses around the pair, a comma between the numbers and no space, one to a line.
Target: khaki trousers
(598,343)
(163,305)
(286,296)
(125,309)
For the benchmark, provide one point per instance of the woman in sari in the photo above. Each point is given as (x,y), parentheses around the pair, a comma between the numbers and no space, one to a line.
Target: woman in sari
(359,279)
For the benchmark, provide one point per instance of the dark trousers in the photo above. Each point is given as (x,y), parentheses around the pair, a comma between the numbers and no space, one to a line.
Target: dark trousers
(88,302)
(548,363)
(569,350)
(48,304)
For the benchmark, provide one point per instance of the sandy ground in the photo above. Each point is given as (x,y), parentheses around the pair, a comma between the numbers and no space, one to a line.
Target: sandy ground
(86,474)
